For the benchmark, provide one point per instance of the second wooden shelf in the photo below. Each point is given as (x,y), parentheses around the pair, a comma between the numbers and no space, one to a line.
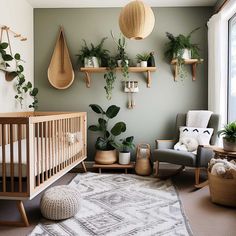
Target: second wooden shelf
(192,62)
(89,70)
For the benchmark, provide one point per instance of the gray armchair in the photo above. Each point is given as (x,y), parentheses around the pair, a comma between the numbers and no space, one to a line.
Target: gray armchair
(164,151)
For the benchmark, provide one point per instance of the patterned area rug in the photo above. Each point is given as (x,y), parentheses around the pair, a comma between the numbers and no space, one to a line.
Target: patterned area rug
(122,204)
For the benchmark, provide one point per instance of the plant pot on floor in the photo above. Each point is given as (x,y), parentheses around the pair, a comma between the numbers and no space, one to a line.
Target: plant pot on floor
(229,146)
(105,157)
(124,158)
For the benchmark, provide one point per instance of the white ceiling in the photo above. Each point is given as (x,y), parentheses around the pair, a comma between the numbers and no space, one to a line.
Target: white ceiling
(116,3)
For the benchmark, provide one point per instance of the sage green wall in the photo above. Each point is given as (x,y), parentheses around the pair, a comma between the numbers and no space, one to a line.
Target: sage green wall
(156,107)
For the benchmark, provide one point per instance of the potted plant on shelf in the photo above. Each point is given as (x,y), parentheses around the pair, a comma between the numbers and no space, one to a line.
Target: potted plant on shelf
(93,56)
(229,136)
(181,48)
(105,144)
(122,57)
(143,59)
(125,148)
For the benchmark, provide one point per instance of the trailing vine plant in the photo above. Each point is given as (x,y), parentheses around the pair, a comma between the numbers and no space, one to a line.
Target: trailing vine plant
(23,87)
(110,77)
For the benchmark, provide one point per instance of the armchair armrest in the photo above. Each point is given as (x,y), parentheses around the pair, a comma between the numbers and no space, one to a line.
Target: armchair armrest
(165,144)
(204,154)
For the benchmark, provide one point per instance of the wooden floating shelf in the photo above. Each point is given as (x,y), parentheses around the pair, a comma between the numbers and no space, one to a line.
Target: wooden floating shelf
(89,70)
(192,62)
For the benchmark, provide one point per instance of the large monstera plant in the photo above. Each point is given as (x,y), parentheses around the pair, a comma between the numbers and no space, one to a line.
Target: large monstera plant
(107,140)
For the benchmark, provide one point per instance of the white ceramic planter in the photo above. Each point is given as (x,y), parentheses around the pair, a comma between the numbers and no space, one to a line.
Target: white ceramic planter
(91,62)
(143,63)
(124,158)
(119,62)
(186,54)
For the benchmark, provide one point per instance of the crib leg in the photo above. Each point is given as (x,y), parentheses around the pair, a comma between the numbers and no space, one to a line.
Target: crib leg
(24,220)
(84,167)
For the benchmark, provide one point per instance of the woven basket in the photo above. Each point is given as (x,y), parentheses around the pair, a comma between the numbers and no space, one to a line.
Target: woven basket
(143,161)
(223,191)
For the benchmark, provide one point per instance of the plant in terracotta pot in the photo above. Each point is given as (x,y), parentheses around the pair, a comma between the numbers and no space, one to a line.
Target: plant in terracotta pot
(180,48)
(105,144)
(125,148)
(229,136)
(93,56)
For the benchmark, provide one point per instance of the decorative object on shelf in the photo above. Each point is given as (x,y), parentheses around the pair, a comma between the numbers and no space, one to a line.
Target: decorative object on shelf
(151,60)
(181,51)
(130,88)
(22,86)
(95,56)
(122,58)
(125,148)
(143,160)
(229,136)
(60,70)
(147,70)
(136,20)
(143,59)
(105,144)
(110,77)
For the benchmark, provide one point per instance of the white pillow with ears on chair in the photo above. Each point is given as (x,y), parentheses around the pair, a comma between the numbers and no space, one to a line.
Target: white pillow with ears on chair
(193,136)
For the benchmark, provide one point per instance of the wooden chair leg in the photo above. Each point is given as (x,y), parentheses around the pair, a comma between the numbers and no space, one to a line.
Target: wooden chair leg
(84,167)
(156,168)
(24,220)
(197,175)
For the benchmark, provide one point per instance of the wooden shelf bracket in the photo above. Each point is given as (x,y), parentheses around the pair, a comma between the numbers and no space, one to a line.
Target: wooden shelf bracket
(192,62)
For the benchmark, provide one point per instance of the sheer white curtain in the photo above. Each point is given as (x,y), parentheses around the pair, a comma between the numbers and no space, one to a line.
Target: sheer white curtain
(218,60)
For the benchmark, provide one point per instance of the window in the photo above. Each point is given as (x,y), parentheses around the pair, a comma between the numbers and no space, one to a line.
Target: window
(232,70)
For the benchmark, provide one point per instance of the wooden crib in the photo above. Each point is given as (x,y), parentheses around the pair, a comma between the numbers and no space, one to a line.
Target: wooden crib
(36,149)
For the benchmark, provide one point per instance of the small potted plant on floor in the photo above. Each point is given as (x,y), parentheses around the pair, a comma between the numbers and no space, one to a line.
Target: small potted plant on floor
(125,148)
(106,143)
(143,59)
(122,57)
(181,48)
(229,137)
(93,56)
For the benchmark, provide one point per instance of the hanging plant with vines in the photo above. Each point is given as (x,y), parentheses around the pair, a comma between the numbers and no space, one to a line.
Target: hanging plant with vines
(23,87)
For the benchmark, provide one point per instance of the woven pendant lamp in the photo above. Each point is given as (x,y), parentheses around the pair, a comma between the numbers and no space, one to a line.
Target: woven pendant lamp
(136,20)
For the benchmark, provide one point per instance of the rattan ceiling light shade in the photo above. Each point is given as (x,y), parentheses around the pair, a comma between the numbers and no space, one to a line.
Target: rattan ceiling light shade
(136,20)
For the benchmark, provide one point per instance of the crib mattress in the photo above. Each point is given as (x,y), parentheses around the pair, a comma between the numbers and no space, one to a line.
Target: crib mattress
(54,156)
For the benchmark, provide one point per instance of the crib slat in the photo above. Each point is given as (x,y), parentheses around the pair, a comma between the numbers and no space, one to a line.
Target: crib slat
(37,144)
(46,150)
(41,161)
(49,149)
(4,157)
(19,137)
(53,147)
(11,158)
(57,145)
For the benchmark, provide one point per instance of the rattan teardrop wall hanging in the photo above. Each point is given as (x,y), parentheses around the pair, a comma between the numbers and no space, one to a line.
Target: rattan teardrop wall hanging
(60,71)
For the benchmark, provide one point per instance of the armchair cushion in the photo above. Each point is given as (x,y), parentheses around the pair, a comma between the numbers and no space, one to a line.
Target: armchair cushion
(175,157)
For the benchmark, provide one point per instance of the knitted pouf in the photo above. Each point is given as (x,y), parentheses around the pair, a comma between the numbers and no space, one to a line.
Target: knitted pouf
(60,202)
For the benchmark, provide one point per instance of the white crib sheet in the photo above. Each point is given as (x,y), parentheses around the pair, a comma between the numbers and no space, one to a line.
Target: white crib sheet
(52,160)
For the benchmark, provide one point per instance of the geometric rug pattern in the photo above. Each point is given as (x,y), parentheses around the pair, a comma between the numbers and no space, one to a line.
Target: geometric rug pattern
(122,204)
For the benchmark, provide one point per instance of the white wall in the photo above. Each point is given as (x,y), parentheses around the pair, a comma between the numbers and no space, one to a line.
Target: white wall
(18,15)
